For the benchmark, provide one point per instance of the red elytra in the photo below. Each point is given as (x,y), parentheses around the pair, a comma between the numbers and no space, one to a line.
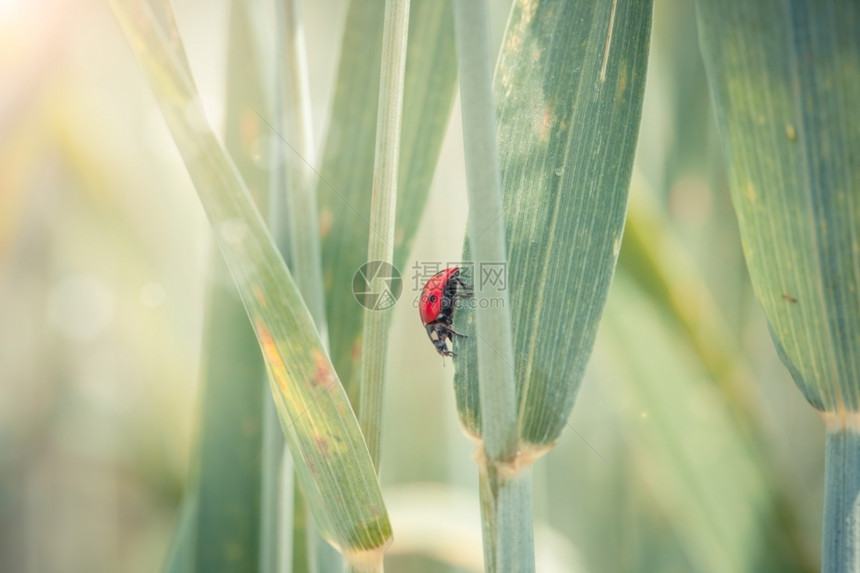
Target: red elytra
(437,304)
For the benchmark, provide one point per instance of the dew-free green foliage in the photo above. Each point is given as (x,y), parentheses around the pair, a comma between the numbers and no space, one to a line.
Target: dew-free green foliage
(842,489)
(331,461)
(294,206)
(383,204)
(231,442)
(346,172)
(785,80)
(566,138)
(226,492)
(567,133)
(506,504)
(722,499)
(180,556)
(662,264)
(486,230)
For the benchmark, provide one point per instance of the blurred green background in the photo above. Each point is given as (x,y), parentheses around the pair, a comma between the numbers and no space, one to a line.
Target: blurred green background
(689,448)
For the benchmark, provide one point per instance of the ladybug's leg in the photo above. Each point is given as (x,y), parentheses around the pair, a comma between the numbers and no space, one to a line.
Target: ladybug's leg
(431,330)
(442,348)
(466,289)
(438,334)
(452,331)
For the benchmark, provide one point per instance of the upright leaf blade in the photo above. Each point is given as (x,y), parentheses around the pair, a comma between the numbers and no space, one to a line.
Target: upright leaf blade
(228,490)
(568,87)
(347,165)
(506,502)
(377,321)
(222,503)
(331,461)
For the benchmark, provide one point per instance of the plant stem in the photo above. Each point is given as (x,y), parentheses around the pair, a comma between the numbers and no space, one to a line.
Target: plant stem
(840,548)
(382,211)
(506,515)
(486,228)
(506,507)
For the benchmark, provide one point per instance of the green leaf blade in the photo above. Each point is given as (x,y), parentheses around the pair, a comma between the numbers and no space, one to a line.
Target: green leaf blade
(331,460)
(568,86)
(785,78)
(222,505)
(347,165)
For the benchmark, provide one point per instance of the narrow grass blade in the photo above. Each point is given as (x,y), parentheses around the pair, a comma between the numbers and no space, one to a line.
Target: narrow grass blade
(380,247)
(228,489)
(568,88)
(486,230)
(506,499)
(347,163)
(294,106)
(227,517)
(785,80)
(657,257)
(717,506)
(291,112)
(331,461)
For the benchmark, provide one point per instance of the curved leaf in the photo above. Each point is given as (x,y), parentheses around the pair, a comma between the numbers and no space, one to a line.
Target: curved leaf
(785,78)
(331,460)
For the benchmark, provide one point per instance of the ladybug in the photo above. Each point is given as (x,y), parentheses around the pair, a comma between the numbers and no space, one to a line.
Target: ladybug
(436,307)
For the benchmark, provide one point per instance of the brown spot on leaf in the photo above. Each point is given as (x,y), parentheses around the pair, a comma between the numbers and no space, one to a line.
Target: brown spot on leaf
(258,294)
(323,375)
(312,467)
(546,123)
(789,298)
(325,222)
(356,349)
(621,85)
(529,9)
(322,444)
(273,358)
(249,129)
